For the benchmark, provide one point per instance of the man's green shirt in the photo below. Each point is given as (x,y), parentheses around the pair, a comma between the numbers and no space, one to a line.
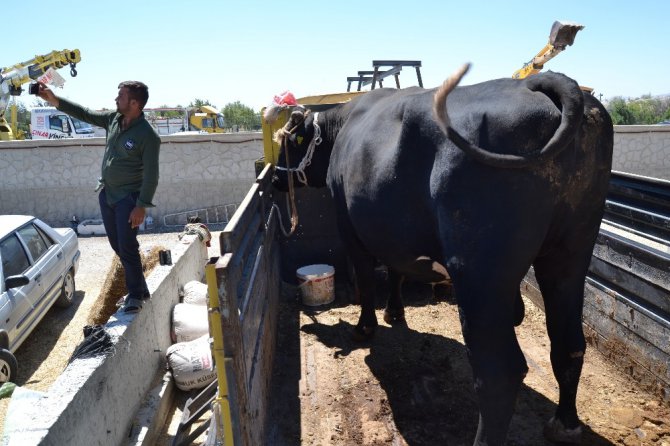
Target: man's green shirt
(130,162)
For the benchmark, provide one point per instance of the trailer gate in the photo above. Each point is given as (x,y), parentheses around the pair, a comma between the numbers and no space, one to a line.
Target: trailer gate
(246,279)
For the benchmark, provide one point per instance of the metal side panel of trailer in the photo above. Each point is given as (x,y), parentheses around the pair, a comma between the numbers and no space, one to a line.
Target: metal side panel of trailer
(627,290)
(248,284)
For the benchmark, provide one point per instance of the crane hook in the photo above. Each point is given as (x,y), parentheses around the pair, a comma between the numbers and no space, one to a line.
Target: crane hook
(73,71)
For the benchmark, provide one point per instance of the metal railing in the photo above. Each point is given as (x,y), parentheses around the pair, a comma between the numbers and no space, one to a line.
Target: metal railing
(213,215)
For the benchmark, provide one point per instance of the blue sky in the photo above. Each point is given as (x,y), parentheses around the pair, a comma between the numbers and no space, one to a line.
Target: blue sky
(249,51)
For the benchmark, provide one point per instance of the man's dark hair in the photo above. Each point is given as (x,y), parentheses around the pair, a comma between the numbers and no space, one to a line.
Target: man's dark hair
(138,91)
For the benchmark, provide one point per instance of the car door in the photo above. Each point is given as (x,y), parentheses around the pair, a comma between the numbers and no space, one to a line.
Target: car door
(16,311)
(47,260)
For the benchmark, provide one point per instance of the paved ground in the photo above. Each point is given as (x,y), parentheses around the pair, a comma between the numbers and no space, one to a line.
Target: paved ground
(411,386)
(46,352)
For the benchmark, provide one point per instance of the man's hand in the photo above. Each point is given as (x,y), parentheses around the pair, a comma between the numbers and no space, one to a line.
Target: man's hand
(48,95)
(136,217)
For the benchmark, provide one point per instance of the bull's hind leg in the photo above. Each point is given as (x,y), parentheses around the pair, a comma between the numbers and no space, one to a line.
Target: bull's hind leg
(561,280)
(394,312)
(487,309)
(364,277)
(364,270)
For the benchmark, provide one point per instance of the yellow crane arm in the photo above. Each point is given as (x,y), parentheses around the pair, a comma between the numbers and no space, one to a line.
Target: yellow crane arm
(562,35)
(537,63)
(11,78)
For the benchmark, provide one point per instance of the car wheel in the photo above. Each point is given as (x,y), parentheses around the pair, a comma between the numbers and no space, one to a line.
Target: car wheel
(8,366)
(67,291)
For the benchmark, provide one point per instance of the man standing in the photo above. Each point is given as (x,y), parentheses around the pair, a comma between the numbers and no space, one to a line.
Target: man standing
(129,176)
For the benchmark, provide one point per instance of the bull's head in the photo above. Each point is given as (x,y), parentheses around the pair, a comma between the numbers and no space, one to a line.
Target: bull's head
(298,160)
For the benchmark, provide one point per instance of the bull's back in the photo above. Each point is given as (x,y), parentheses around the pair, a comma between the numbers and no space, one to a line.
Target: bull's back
(380,173)
(401,181)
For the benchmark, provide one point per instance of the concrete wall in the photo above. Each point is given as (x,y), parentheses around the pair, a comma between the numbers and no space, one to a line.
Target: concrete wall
(95,400)
(642,150)
(54,180)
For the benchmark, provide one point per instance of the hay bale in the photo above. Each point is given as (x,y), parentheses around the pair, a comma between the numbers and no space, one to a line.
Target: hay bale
(114,287)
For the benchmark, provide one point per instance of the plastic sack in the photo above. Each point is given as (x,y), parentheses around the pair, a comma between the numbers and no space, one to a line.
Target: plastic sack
(195,293)
(191,364)
(7,389)
(285,98)
(189,322)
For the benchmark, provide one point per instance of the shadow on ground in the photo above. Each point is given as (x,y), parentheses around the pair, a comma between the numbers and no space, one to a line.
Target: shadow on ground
(426,379)
(37,346)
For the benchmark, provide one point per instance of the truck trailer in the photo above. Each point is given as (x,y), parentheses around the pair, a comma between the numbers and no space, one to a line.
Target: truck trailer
(50,123)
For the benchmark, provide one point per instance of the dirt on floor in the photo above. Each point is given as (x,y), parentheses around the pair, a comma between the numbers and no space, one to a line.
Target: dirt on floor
(412,384)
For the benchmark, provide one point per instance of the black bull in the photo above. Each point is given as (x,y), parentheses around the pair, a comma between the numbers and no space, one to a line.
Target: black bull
(515,176)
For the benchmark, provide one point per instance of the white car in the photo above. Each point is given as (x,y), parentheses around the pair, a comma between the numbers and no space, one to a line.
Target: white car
(38,268)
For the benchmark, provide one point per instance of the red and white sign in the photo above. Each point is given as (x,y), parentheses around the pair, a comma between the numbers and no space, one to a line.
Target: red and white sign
(52,77)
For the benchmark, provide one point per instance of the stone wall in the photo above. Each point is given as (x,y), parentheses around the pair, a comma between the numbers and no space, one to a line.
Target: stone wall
(642,150)
(56,179)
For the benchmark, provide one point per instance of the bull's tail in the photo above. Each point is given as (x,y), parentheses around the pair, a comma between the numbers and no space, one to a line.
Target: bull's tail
(572,107)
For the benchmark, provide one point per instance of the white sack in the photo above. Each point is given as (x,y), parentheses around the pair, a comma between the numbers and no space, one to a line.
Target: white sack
(191,364)
(189,322)
(195,293)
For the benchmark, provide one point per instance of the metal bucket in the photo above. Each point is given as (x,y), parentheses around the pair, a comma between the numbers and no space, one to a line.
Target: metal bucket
(317,284)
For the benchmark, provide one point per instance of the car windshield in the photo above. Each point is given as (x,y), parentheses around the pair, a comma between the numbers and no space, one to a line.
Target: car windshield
(81,126)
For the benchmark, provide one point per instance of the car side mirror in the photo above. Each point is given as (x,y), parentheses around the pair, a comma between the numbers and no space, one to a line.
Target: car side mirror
(16,281)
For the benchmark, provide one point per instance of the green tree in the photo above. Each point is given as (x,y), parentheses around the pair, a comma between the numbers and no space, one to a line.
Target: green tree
(22,119)
(170,113)
(200,102)
(241,116)
(642,110)
(619,111)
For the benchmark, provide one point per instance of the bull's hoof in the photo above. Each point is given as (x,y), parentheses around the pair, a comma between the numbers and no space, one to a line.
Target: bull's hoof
(556,432)
(363,333)
(392,317)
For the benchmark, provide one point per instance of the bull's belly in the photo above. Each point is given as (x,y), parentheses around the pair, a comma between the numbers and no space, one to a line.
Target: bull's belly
(426,270)
(404,259)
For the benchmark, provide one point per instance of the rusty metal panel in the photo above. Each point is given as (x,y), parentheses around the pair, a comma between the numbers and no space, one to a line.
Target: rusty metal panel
(248,285)
(627,291)
(631,339)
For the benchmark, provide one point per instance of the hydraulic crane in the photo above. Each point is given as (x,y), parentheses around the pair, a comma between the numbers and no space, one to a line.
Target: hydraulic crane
(562,35)
(12,78)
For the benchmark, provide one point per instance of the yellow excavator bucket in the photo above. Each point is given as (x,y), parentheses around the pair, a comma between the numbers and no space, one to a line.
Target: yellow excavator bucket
(562,35)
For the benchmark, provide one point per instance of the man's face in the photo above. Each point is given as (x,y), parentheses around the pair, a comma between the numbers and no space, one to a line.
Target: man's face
(123,101)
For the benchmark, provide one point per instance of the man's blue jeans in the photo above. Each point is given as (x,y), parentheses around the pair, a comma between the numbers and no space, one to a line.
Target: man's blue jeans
(123,239)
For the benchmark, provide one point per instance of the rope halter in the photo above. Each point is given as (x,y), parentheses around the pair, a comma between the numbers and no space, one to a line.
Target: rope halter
(307,159)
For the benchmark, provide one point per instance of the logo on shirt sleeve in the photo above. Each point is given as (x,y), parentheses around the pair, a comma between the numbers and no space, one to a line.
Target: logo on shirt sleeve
(129,144)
